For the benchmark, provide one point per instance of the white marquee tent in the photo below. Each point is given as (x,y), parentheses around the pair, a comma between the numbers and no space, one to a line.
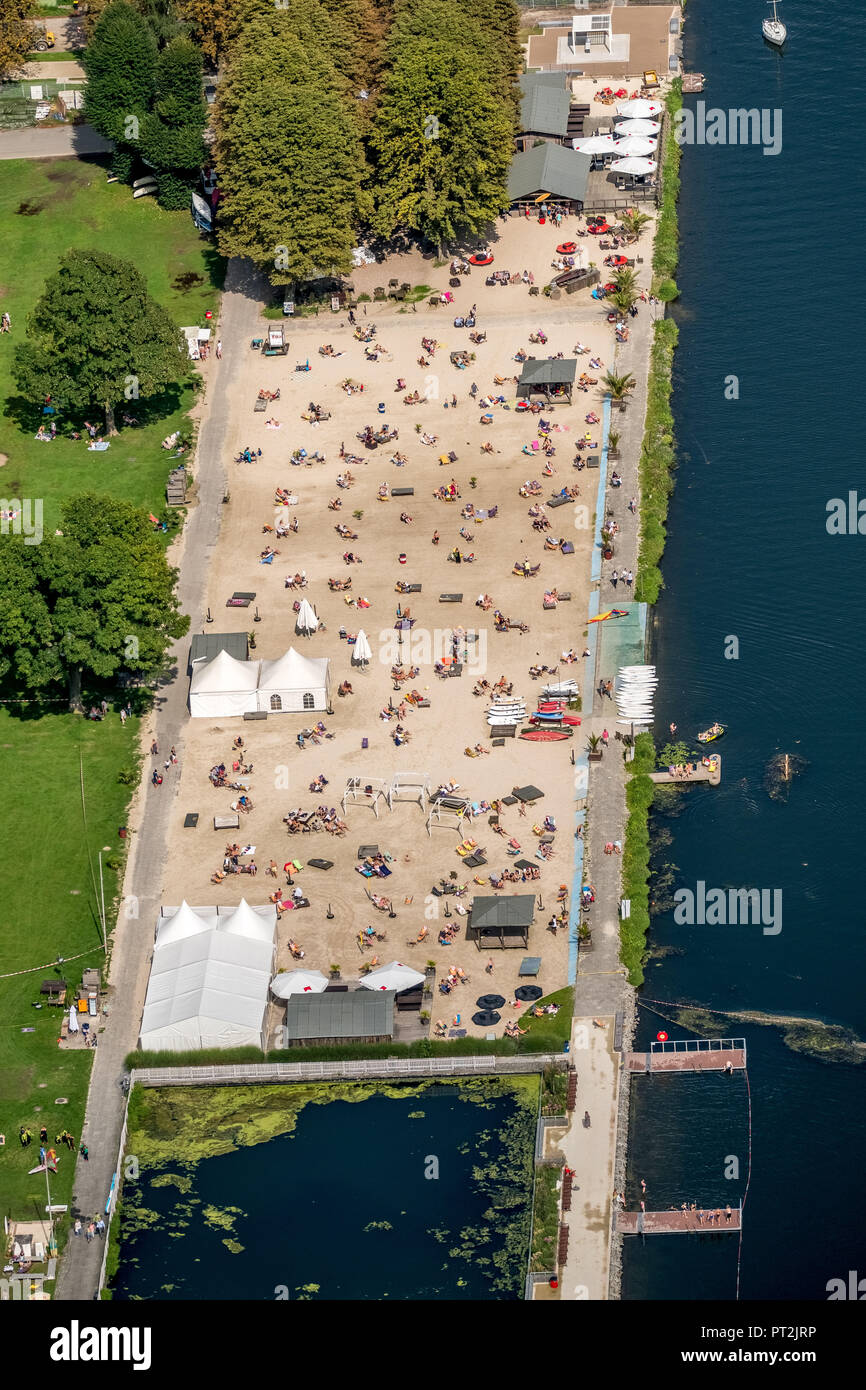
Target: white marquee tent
(209,978)
(293,682)
(225,686)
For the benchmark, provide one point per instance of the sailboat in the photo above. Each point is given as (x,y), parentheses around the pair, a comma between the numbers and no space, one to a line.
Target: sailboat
(773,29)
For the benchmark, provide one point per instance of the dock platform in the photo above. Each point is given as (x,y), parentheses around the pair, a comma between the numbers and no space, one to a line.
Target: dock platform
(712,774)
(690,1055)
(671,1223)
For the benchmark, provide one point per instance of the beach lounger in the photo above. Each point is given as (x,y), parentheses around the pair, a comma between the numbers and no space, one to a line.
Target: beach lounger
(320,863)
(528,793)
(226,822)
(593,461)
(450,598)
(558,501)
(402,492)
(567,548)
(190,821)
(368,851)
(260,405)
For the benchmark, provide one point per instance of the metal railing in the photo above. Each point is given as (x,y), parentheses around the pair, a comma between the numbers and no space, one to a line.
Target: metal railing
(277,1072)
(700,1045)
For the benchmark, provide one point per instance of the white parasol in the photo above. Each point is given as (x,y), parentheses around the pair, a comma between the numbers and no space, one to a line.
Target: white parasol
(637,127)
(635,144)
(298,982)
(595,144)
(306,620)
(361,653)
(393,976)
(632,165)
(639,109)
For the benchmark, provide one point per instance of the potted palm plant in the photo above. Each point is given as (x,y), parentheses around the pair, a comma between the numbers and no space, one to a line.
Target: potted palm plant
(606,544)
(334,972)
(594,745)
(618,387)
(613,444)
(584,936)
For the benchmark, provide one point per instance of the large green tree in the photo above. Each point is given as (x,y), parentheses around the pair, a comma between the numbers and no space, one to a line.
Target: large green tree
(444,128)
(16,35)
(89,602)
(120,63)
(96,337)
(172,135)
(289,154)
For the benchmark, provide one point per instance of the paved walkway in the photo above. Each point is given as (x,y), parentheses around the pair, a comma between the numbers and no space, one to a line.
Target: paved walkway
(80,1267)
(591,1154)
(602,989)
(53,142)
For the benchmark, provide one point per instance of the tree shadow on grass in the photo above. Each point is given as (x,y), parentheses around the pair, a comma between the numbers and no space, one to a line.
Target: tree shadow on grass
(28,416)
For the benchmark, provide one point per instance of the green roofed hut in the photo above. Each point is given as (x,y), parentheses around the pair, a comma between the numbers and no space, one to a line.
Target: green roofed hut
(552,171)
(502,922)
(550,377)
(545,109)
(363,1016)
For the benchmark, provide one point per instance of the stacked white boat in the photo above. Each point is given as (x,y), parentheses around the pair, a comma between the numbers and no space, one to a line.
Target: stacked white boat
(561,690)
(635,692)
(507,712)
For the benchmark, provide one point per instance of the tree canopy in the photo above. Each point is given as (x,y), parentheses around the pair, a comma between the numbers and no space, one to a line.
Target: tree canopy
(172,134)
(443,131)
(289,154)
(97,599)
(16,35)
(96,337)
(120,62)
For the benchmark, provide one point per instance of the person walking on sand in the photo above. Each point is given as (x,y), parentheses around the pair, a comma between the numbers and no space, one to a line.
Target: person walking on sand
(85,1152)
(488,969)
(219,349)
(632,506)
(614,578)
(154,749)
(629,578)
(608,689)
(605,737)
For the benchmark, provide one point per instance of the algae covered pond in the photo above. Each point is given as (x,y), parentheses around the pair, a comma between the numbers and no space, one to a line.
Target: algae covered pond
(342,1191)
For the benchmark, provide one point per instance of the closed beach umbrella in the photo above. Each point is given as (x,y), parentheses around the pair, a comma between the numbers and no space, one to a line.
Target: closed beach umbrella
(635,144)
(637,127)
(361,652)
(639,109)
(394,976)
(595,144)
(306,620)
(73,1019)
(298,982)
(633,165)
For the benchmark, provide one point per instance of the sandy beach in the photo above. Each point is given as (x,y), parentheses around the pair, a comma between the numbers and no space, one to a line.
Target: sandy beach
(455,719)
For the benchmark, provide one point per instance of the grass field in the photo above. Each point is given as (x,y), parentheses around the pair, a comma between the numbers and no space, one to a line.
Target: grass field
(75,207)
(49,876)
(49,892)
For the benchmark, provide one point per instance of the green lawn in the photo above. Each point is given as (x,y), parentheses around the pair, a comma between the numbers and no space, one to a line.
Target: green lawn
(49,890)
(77,207)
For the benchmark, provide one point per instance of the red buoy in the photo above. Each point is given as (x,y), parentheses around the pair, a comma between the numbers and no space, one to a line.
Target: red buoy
(661,1037)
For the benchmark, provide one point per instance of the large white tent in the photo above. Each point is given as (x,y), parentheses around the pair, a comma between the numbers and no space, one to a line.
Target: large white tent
(223,687)
(293,682)
(209,978)
(290,684)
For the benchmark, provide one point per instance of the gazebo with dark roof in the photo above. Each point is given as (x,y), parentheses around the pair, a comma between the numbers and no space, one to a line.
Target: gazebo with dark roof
(501,921)
(549,377)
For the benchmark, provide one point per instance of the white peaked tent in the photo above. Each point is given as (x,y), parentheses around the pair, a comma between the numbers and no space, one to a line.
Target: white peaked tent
(361,653)
(290,684)
(293,682)
(209,978)
(306,621)
(223,687)
(394,976)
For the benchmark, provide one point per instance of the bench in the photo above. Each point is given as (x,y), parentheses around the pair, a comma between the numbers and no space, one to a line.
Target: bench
(232,822)
(456,669)
(320,863)
(592,461)
(450,598)
(367,851)
(402,492)
(502,731)
(412,589)
(260,405)
(190,821)
(558,501)
(256,714)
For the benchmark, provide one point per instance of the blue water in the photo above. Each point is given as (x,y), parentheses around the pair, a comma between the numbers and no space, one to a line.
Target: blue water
(367,1200)
(766,249)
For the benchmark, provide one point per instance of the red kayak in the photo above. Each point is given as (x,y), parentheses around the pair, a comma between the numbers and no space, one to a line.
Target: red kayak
(549,717)
(546,735)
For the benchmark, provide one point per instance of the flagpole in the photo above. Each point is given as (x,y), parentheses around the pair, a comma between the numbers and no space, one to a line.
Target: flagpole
(50,1212)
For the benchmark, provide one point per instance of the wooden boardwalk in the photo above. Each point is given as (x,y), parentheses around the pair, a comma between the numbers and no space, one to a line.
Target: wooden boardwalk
(694,1061)
(667,1223)
(697,773)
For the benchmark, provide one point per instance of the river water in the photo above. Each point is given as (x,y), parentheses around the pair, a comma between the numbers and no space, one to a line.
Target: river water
(767,252)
